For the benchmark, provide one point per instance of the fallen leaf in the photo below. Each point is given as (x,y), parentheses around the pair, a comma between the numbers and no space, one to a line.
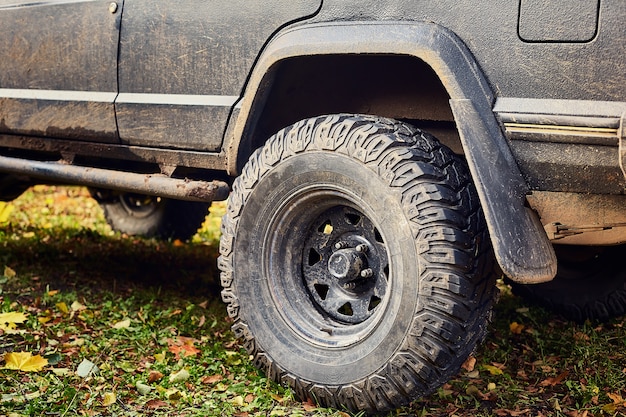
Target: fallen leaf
(516,328)
(173,394)
(143,389)
(76,306)
(552,381)
(182,347)
(124,324)
(238,401)
(493,370)
(108,399)
(469,364)
(154,376)
(9,320)
(24,361)
(9,273)
(62,307)
(5,211)
(86,368)
(278,398)
(160,357)
(309,405)
(179,376)
(211,379)
(154,404)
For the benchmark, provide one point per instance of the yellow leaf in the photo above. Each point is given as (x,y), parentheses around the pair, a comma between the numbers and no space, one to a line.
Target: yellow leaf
(62,307)
(5,211)
(124,324)
(52,293)
(159,357)
(8,320)
(76,306)
(238,401)
(12,317)
(9,273)
(493,370)
(108,398)
(516,328)
(24,361)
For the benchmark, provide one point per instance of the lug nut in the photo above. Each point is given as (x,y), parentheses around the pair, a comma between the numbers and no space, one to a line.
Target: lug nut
(341,245)
(367,273)
(362,248)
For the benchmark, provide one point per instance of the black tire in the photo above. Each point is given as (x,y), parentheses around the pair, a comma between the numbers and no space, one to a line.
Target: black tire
(590,283)
(142,215)
(325,198)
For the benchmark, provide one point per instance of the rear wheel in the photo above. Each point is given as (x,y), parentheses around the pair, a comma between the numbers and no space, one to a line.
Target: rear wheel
(355,262)
(148,216)
(590,283)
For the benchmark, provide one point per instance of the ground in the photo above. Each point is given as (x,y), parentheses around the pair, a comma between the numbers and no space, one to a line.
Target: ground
(96,323)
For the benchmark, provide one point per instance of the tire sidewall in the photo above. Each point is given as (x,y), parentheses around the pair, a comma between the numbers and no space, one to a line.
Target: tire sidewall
(280,187)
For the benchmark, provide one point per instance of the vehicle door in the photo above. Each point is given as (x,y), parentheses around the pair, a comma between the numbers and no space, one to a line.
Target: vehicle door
(183,65)
(58,74)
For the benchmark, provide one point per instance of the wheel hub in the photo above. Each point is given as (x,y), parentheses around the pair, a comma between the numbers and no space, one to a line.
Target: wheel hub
(346,273)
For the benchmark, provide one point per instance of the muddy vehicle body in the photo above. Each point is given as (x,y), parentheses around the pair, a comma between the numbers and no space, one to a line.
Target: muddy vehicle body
(384,162)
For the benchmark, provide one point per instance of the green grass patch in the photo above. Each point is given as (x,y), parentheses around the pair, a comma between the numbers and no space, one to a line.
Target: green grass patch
(136,327)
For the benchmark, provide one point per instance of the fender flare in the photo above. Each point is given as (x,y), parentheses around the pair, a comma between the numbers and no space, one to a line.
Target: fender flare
(520,244)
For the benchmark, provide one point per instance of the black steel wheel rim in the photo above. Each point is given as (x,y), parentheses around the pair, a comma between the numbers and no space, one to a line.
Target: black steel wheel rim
(139,205)
(328,266)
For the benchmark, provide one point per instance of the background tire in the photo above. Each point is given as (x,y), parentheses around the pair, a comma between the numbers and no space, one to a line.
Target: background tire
(355,262)
(141,215)
(590,283)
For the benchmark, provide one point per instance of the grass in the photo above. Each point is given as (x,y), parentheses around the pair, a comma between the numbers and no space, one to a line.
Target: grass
(148,314)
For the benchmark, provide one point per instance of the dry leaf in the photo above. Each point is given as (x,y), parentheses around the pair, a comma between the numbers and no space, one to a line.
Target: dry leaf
(10,319)
(516,328)
(9,273)
(211,379)
(24,361)
(182,346)
(469,364)
(124,324)
(554,380)
(62,307)
(154,404)
(154,376)
(493,370)
(179,376)
(5,211)
(108,398)
(309,405)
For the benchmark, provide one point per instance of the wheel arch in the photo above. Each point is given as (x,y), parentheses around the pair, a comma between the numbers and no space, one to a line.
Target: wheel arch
(520,244)
(436,53)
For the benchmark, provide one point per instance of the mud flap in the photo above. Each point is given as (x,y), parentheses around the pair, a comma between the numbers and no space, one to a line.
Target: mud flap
(519,241)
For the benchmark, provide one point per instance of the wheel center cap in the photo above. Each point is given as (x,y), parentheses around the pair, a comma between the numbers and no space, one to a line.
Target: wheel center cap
(346,264)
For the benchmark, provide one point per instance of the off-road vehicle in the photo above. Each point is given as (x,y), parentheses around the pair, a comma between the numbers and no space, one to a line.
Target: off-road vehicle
(377,156)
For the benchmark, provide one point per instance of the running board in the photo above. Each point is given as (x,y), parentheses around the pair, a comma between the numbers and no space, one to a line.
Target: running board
(149,184)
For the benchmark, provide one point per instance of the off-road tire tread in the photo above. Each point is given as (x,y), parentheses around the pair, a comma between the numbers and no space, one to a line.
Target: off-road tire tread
(456,284)
(178,219)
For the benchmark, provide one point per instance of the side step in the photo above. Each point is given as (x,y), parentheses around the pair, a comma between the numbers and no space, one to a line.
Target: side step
(149,184)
